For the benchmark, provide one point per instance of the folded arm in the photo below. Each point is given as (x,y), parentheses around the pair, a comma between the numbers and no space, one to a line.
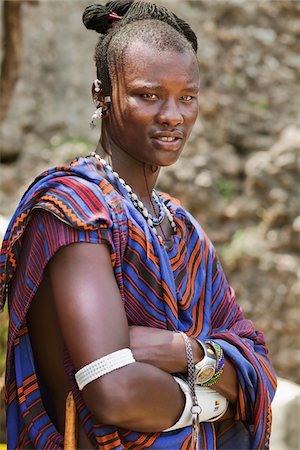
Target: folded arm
(166,350)
(140,396)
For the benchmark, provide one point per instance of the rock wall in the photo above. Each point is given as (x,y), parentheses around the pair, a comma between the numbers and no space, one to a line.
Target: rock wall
(239,174)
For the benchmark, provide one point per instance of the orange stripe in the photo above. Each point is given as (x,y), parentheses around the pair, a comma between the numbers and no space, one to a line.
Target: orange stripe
(187,443)
(145,441)
(170,300)
(105,187)
(200,305)
(105,445)
(241,410)
(26,382)
(268,372)
(176,261)
(11,397)
(30,389)
(19,220)
(188,294)
(69,213)
(138,237)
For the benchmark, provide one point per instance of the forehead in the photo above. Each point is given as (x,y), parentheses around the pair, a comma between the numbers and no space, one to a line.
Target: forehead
(145,62)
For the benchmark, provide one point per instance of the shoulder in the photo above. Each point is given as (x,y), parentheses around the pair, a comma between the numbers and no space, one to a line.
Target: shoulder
(77,193)
(183,214)
(175,201)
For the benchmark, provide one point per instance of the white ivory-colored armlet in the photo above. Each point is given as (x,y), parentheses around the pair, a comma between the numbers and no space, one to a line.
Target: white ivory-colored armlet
(213,405)
(102,366)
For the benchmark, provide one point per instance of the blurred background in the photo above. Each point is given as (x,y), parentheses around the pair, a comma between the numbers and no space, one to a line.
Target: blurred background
(239,174)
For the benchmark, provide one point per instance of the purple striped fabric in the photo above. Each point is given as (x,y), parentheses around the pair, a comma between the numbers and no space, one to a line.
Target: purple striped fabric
(182,288)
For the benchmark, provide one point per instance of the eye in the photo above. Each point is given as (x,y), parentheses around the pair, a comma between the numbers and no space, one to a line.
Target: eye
(149,96)
(187,98)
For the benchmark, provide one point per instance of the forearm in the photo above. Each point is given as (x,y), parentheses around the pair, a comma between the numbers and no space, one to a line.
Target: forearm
(166,350)
(138,397)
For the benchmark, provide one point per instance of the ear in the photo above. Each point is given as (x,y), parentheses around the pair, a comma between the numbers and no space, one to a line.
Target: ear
(97,94)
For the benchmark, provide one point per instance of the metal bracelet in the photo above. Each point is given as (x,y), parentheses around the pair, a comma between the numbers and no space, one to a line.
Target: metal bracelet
(196,409)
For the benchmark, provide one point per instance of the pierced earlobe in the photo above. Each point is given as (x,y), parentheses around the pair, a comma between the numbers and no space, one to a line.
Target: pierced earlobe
(102,104)
(98,114)
(97,85)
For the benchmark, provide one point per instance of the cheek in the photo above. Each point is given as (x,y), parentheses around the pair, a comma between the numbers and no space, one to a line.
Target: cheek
(192,115)
(120,118)
(136,116)
(127,113)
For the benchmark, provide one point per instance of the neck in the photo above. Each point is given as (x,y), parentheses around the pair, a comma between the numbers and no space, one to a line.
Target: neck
(140,176)
(143,206)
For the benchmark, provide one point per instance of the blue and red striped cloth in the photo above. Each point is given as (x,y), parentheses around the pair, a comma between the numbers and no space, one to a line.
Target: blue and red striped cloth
(180,288)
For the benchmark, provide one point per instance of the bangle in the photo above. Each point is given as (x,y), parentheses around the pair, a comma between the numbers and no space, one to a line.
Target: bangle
(102,366)
(216,348)
(220,364)
(196,409)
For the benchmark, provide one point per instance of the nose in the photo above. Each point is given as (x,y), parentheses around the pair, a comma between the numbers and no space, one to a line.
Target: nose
(169,113)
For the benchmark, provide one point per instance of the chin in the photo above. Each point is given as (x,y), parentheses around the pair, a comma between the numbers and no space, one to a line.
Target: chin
(165,154)
(168,160)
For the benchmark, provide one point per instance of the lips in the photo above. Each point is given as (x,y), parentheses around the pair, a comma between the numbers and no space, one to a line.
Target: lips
(168,140)
(168,136)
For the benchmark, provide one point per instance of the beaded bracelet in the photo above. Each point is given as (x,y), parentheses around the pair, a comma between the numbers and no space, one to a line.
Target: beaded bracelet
(216,347)
(220,365)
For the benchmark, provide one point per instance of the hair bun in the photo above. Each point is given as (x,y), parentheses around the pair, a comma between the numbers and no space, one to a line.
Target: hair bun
(97,17)
(119,6)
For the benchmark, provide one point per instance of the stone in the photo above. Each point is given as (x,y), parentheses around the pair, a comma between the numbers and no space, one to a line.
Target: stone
(296,224)
(4,221)
(204,179)
(286,416)
(289,140)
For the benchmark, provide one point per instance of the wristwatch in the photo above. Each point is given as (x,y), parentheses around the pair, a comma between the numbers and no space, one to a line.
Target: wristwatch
(206,368)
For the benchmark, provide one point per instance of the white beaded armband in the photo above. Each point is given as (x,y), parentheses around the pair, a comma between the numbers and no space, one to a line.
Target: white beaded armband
(102,366)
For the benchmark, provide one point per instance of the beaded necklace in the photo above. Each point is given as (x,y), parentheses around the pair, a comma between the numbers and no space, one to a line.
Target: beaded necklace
(139,205)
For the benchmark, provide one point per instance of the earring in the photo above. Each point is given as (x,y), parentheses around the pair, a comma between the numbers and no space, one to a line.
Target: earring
(98,114)
(97,84)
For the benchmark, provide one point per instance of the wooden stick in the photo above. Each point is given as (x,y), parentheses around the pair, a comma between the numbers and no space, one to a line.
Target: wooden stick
(70,424)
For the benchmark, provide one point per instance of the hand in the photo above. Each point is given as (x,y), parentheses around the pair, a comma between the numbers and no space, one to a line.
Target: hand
(161,348)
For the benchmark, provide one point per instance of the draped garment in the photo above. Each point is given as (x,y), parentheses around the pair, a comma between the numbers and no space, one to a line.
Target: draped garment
(180,288)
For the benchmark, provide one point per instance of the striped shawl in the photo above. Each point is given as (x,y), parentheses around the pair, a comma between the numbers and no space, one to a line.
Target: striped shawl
(182,288)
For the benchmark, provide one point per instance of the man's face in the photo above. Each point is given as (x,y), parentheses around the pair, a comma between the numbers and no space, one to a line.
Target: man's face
(154,103)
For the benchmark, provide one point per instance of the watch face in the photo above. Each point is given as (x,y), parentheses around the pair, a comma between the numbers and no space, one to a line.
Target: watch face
(205,374)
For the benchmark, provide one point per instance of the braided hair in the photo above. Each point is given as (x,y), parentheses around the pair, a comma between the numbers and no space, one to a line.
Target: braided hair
(121,22)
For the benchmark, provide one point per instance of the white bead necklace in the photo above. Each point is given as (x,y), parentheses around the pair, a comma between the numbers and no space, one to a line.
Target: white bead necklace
(138,204)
